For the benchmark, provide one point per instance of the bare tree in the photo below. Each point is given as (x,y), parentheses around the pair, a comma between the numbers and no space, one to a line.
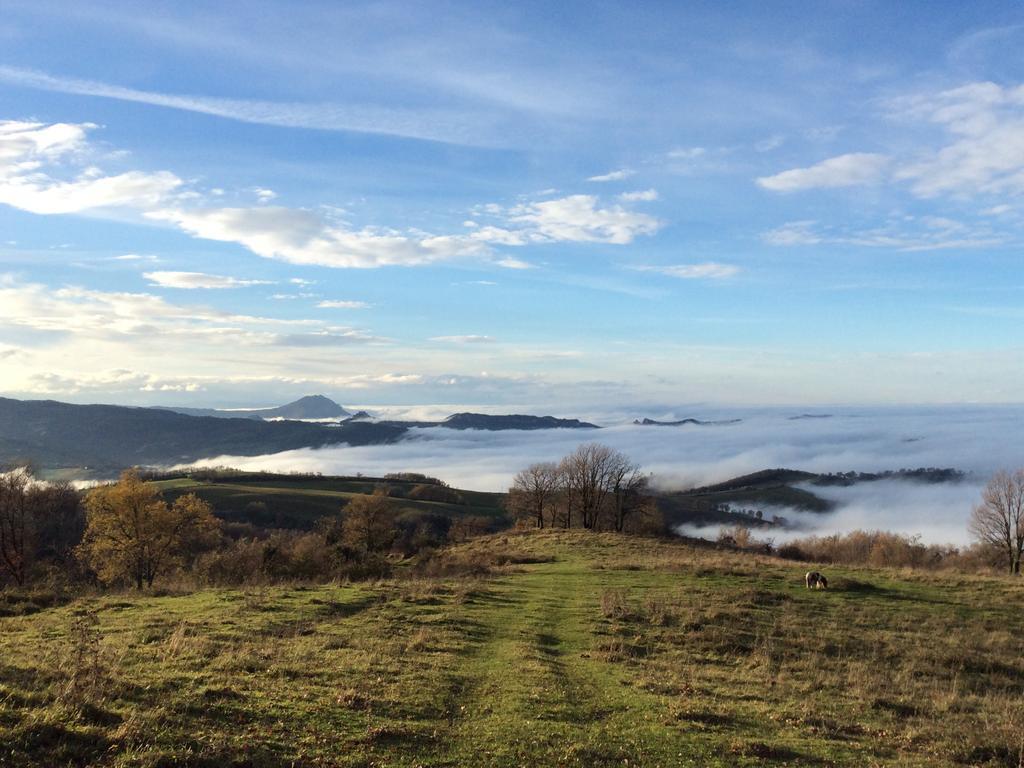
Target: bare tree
(16,525)
(999,520)
(598,481)
(629,485)
(533,492)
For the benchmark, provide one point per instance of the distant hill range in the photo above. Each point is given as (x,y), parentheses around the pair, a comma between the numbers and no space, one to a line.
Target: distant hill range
(755,499)
(492,423)
(105,438)
(682,422)
(308,407)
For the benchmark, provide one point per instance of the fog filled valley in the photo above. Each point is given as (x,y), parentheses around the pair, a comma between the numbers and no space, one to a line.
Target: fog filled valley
(975,440)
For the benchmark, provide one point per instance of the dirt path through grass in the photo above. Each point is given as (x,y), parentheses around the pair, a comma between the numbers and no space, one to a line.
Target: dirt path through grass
(536,693)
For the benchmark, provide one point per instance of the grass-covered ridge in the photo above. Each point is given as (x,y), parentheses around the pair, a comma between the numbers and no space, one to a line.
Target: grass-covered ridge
(283,501)
(578,649)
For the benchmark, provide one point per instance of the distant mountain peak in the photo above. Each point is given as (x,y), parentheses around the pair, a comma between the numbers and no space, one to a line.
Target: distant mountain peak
(306,407)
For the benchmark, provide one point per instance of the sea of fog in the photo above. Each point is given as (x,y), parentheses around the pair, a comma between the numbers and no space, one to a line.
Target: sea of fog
(975,439)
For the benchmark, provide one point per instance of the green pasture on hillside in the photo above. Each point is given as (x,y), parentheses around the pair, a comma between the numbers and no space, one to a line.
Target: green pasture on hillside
(577,650)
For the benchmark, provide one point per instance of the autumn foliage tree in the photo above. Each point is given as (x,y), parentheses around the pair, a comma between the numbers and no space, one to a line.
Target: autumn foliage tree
(133,535)
(368,523)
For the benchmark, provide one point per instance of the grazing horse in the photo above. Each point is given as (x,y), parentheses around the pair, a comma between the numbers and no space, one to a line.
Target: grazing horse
(815,580)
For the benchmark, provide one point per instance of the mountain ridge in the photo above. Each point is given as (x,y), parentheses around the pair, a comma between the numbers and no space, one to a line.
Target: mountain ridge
(306,407)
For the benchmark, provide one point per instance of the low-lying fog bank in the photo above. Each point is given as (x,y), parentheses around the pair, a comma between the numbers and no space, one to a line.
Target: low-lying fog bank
(977,440)
(937,513)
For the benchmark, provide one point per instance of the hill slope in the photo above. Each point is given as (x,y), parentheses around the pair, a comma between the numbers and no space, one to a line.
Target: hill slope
(54,434)
(589,650)
(283,501)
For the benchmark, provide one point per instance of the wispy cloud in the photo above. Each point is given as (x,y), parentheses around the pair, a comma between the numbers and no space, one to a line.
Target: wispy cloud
(189,280)
(905,233)
(471,338)
(432,124)
(708,270)
(986,154)
(513,263)
(855,169)
(983,152)
(619,175)
(304,237)
(338,304)
(645,195)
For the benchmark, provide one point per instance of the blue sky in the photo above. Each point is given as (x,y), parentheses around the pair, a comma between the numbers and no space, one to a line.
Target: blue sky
(512,204)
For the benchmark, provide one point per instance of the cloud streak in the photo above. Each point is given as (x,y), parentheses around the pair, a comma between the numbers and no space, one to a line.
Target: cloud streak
(431,124)
(198,280)
(708,270)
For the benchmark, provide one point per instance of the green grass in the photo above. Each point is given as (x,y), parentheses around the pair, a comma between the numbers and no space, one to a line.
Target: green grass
(299,503)
(589,650)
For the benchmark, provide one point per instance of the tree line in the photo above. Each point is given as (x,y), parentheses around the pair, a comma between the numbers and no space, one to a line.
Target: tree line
(594,487)
(126,534)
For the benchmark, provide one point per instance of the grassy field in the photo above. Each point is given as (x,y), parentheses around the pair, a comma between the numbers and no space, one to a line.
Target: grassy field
(299,503)
(577,650)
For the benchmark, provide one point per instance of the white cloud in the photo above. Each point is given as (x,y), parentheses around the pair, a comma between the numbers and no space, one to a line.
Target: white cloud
(511,263)
(986,155)
(303,237)
(87,313)
(708,270)
(578,218)
(465,339)
(854,169)
(983,152)
(188,280)
(619,175)
(334,304)
(104,381)
(24,142)
(328,337)
(25,148)
(297,236)
(135,257)
(264,195)
(793,233)
(500,236)
(646,195)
